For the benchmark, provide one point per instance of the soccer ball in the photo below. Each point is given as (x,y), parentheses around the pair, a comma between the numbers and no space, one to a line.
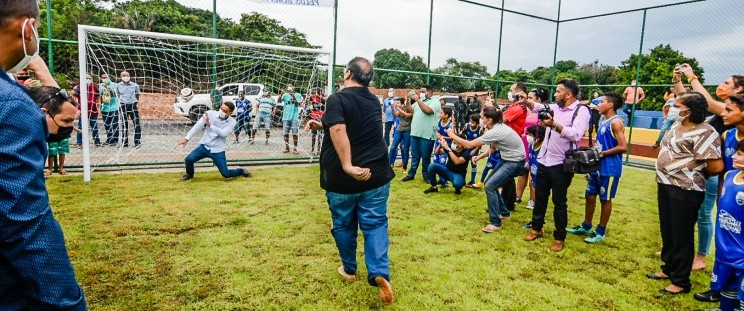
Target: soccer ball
(186,94)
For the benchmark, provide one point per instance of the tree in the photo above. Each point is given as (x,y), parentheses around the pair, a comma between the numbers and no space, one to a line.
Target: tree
(398,60)
(454,67)
(656,68)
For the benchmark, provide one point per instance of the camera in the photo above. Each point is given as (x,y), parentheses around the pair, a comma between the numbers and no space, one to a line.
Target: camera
(411,94)
(680,68)
(545,113)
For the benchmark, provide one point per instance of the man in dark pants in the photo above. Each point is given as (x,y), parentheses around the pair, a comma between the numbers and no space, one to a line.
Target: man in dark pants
(461,113)
(128,93)
(565,128)
(357,193)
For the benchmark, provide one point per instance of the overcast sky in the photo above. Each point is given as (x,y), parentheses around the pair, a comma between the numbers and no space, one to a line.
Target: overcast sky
(709,30)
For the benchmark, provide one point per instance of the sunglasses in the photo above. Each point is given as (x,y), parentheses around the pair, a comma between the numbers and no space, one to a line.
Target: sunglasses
(62,93)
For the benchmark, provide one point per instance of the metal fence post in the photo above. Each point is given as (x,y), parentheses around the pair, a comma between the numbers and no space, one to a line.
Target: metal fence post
(333,58)
(50,48)
(214,54)
(635,90)
(428,58)
(555,52)
(498,61)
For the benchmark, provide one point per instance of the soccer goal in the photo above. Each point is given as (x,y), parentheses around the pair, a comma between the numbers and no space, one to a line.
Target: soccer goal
(178,79)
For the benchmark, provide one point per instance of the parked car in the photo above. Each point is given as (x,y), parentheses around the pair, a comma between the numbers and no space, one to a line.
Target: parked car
(193,106)
(450,100)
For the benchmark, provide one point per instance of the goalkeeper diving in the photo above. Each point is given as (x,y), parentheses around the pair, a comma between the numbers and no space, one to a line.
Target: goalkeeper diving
(217,126)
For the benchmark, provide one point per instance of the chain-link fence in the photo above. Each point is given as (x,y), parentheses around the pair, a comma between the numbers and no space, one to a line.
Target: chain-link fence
(460,47)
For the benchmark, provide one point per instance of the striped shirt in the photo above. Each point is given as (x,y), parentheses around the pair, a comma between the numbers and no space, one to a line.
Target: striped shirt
(682,159)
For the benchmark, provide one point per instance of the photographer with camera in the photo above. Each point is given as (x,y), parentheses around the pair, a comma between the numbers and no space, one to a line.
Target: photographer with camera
(566,123)
(423,130)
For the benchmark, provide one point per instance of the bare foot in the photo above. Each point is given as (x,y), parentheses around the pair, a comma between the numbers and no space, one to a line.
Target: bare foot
(386,291)
(698,263)
(348,277)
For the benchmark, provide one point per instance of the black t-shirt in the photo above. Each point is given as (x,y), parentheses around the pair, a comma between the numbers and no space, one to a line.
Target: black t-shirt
(360,111)
(459,169)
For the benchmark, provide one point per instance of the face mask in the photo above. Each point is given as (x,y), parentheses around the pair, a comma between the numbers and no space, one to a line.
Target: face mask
(63,132)
(673,114)
(106,81)
(125,79)
(26,58)
(223,115)
(530,140)
(289,89)
(422,95)
(511,96)
(89,81)
(390,94)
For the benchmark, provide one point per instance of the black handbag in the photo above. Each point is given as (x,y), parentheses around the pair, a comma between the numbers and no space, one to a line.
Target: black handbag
(581,160)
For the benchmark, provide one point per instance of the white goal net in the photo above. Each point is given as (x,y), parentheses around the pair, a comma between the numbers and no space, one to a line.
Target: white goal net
(179,78)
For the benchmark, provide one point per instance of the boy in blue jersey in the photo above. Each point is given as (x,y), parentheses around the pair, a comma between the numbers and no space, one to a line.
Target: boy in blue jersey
(243,117)
(445,122)
(535,137)
(733,115)
(612,144)
(471,131)
(728,270)
(494,159)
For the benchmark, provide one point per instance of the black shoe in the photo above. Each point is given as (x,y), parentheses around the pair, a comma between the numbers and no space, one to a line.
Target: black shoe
(709,296)
(653,276)
(407,178)
(426,181)
(431,189)
(246,173)
(186,177)
(457,191)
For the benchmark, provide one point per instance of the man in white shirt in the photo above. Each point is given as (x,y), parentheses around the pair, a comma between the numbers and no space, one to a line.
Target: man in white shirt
(217,126)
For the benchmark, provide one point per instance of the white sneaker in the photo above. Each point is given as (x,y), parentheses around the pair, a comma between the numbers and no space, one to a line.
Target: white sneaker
(530,204)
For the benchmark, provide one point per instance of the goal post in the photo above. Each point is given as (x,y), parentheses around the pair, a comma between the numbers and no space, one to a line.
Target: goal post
(177,75)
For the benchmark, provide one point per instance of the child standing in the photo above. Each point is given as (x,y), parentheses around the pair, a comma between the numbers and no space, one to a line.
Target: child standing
(535,137)
(612,144)
(57,149)
(243,116)
(471,131)
(728,271)
(317,110)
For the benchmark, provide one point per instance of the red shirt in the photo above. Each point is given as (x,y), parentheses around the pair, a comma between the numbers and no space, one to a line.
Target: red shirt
(515,117)
(92,98)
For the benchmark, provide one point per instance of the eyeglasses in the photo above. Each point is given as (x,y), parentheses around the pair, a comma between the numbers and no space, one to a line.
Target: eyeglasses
(62,93)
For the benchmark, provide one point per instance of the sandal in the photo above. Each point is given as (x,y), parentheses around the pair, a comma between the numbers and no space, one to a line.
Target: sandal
(47,173)
(62,172)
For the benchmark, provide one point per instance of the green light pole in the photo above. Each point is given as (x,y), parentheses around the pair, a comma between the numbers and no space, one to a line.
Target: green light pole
(635,90)
(50,48)
(498,62)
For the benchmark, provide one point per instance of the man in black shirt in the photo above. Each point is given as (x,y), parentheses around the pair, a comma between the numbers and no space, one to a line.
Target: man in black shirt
(355,173)
(454,171)
(461,113)
(475,106)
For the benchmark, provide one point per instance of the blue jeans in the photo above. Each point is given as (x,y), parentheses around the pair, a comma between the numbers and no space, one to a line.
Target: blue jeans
(366,211)
(704,223)
(388,129)
(458,181)
(502,175)
(400,138)
(628,109)
(219,159)
(421,152)
(665,125)
(111,124)
(93,124)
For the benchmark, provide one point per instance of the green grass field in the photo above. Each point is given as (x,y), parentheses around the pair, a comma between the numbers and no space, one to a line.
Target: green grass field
(151,242)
